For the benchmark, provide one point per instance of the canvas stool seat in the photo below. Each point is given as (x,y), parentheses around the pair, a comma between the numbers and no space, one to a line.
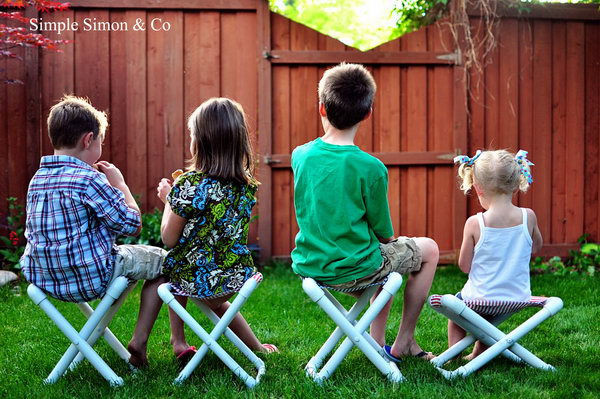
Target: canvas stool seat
(354,330)
(468,314)
(165,291)
(95,327)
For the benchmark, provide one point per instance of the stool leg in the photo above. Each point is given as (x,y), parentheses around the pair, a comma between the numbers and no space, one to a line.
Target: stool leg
(79,344)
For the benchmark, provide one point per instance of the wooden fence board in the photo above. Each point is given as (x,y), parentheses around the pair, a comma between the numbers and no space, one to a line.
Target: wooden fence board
(559,133)
(525,109)
(592,131)
(575,141)
(4,132)
(16,125)
(542,108)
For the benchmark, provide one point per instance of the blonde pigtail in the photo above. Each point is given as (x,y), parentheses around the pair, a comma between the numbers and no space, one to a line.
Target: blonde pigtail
(465,174)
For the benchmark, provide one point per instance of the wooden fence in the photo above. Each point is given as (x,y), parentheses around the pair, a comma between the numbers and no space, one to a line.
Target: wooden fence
(540,92)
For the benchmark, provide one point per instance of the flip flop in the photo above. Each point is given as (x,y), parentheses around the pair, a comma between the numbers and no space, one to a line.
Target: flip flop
(388,353)
(423,354)
(185,356)
(270,348)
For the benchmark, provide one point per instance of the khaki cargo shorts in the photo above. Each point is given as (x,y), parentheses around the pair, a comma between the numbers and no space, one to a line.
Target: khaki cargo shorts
(401,255)
(139,262)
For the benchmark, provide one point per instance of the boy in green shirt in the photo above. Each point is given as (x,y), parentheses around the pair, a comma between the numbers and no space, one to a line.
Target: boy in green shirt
(346,239)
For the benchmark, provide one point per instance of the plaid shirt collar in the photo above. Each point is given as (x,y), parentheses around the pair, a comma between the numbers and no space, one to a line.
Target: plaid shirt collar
(59,161)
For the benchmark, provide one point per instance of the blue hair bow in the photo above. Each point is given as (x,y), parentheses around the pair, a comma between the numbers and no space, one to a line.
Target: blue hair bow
(523,162)
(466,159)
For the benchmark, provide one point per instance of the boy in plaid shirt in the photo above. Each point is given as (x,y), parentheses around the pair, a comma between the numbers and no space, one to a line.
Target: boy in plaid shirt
(76,208)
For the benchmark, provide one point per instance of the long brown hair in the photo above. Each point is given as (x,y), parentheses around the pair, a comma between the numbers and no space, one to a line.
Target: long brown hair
(220,141)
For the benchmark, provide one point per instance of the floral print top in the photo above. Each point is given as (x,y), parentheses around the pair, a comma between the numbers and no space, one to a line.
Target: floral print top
(211,258)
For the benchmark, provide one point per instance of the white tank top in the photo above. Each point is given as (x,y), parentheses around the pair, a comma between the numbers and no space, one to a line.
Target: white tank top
(500,266)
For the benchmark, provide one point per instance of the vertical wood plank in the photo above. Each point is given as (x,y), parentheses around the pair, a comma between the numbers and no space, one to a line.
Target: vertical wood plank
(265,132)
(415,191)
(542,121)
(592,131)
(16,130)
(387,124)
(508,95)
(442,182)
(526,101)
(92,70)
(559,131)
(4,192)
(33,100)
(575,142)
(476,98)
(118,132)
(58,73)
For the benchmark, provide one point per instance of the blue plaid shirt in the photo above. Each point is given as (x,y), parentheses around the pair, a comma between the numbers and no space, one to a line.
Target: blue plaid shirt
(73,219)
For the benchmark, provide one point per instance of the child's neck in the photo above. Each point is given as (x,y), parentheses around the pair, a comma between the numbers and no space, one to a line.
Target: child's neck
(499,202)
(337,136)
(73,152)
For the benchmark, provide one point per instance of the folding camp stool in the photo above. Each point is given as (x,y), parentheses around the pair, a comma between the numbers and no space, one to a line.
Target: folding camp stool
(96,326)
(355,331)
(467,314)
(165,291)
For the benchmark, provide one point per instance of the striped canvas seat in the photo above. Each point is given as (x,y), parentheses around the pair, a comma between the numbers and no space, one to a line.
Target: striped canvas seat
(494,307)
(353,289)
(469,315)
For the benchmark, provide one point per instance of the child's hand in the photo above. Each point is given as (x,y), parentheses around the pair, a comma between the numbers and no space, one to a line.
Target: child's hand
(163,189)
(113,174)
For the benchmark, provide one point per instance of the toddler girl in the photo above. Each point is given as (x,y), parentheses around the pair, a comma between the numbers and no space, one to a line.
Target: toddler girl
(497,244)
(206,218)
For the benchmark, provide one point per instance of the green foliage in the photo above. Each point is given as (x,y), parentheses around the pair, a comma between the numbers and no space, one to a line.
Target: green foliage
(14,242)
(361,24)
(411,15)
(585,261)
(150,234)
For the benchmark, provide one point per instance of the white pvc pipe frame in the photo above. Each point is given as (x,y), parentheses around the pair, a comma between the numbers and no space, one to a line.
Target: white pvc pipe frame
(355,331)
(498,342)
(221,327)
(95,327)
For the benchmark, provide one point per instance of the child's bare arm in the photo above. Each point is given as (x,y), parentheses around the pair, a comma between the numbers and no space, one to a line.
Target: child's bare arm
(536,234)
(468,244)
(172,225)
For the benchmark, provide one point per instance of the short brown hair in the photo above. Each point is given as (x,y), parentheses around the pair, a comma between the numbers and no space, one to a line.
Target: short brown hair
(347,91)
(73,117)
(221,142)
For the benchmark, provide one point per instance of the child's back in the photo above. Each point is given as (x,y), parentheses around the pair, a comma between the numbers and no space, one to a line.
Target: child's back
(500,265)
(73,218)
(341,204)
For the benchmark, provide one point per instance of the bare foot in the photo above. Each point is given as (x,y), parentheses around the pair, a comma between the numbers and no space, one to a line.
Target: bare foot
(138,356)
(269,348)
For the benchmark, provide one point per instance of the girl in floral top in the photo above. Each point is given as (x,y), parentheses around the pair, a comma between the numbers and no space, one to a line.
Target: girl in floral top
(206,218)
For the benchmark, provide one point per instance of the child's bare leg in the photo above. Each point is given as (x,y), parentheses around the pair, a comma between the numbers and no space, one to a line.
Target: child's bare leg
(478,349)
(177,329)
(455,333)
(379,323)
(238,325)
(150,305)
(415,293)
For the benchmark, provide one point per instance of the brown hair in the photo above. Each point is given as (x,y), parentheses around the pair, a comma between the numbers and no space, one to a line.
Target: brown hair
(73,117)
(496,172)
(347,91)
(220,141)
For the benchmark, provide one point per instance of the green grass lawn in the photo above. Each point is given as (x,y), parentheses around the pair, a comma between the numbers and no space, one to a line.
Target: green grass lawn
(282,314)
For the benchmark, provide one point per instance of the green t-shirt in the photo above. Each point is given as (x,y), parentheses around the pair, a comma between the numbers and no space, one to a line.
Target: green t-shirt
(340,195)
